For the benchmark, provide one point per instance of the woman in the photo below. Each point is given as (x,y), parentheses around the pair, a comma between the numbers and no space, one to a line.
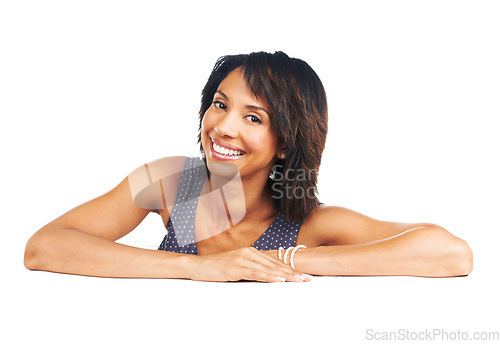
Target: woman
(263,125)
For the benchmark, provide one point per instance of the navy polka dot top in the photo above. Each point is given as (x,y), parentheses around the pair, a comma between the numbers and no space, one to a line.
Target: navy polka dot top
(181,237)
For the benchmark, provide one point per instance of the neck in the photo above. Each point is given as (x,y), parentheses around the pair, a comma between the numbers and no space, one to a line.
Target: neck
(257,205)
(257,198)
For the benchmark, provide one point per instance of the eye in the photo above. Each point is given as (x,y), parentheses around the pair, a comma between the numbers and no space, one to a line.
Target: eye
(254,117)
(219,104)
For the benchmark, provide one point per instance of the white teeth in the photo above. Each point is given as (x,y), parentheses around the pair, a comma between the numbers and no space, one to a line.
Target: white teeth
(226,151)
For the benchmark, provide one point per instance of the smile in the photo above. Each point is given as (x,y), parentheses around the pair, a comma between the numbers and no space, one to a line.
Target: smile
(222,153)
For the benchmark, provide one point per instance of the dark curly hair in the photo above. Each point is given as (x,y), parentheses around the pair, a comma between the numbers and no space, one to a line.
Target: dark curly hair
(300,119)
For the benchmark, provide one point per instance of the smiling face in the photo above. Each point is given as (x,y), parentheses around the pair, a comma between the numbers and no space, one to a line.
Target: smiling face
(241,122)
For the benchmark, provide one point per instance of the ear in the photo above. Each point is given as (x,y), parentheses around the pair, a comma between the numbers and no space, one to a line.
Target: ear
(281,150)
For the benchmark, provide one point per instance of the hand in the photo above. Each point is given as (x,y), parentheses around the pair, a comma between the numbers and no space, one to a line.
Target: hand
(246,263)
(275,254)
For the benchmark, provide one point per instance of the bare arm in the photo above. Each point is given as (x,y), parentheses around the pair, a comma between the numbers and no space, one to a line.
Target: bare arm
(82,242)
(351,243)
(427,251)
(72,251)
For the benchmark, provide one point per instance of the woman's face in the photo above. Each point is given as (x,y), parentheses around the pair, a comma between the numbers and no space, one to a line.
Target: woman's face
(241,122)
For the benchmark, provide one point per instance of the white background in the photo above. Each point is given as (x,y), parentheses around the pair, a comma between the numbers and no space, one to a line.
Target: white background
(90,90)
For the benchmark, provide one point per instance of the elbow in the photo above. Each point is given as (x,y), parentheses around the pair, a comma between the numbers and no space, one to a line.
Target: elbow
(29,257)
(32,253)
(460,259)
(454,256)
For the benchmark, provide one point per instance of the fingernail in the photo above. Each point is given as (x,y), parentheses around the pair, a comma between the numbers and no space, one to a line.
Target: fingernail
(304,277)
(280,279)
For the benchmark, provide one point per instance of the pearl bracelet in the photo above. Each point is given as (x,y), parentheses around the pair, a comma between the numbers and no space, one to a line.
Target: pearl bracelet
(294,249)
(293,254)
(286,253)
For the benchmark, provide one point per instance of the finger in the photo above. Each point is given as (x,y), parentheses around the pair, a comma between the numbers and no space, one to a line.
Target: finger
(260,261)
(275,261)
(264,258)
(267,275)
(271,253)
(272,256)
(252,274)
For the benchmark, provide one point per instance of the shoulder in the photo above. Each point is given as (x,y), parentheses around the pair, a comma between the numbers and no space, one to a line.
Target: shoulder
(331,225)
(324,214)
(156,169)
(154,181)
(164,165)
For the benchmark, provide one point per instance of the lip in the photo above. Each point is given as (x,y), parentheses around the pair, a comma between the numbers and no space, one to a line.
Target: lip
(222,157)
(226,145)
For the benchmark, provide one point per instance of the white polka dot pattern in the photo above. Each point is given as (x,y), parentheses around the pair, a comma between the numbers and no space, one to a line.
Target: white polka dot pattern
(280,233)
(183,213)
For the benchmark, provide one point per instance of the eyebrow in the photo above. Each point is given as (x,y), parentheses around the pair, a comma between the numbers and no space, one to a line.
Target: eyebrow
(252,107)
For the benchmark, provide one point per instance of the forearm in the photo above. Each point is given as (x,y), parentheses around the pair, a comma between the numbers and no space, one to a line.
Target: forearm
(75,252)
(431,252)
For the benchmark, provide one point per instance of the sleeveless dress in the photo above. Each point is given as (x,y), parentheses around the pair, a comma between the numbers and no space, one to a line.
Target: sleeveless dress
(181,236)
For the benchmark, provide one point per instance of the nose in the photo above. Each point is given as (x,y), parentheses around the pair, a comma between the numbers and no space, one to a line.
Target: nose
(227,125)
